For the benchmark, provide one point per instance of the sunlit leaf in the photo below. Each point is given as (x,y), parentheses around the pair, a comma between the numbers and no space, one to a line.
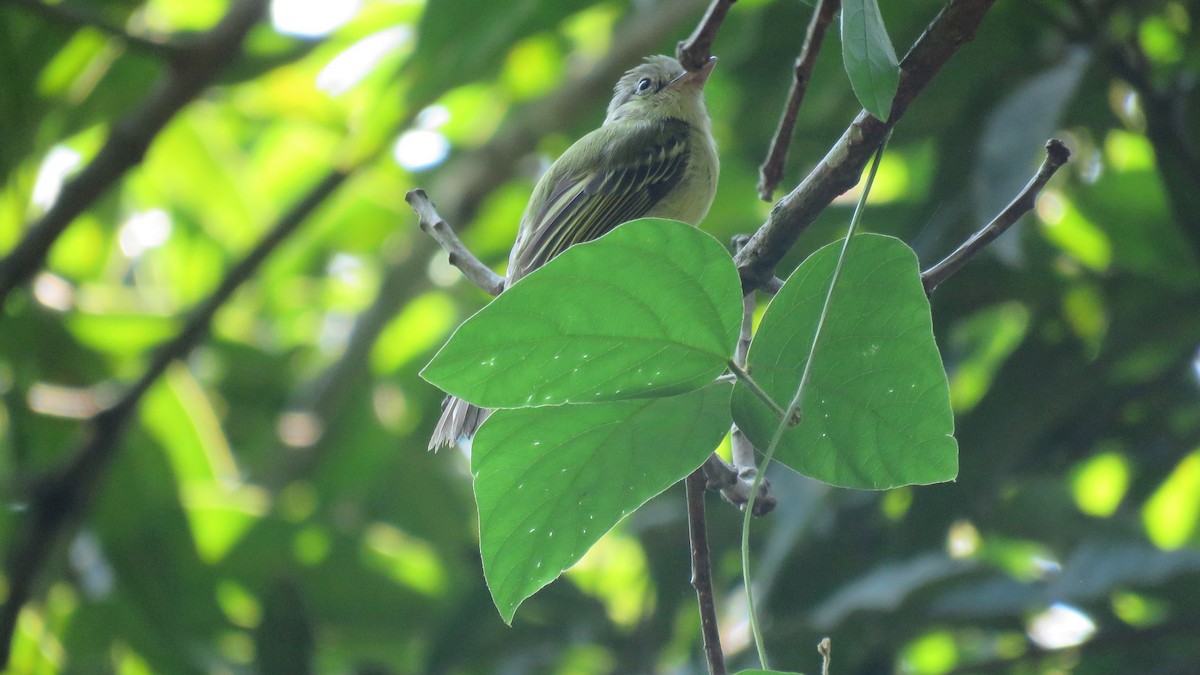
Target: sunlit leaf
(121,334)
(1072,232)
(1099,483)
(611,319)
(980,345)
(877,410)
(1172,513)
(934,652)
(550,481)
(462,40)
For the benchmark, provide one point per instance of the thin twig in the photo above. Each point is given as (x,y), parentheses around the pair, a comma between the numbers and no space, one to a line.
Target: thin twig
(1057,155)
(735,481)
(59,498)
(460,256)
(694,52)
(746,332)
(77,17)
(131,138)
(771,171)
(842,167)
(737,491)
(694,485)
(825,649)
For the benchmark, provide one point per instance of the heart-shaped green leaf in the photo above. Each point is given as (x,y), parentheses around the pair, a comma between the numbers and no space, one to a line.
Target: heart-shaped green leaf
(650,309)
(877,411)
(869,57)
(551,481)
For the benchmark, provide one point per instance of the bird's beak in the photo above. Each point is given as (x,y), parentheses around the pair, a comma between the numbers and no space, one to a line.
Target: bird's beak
(695,78)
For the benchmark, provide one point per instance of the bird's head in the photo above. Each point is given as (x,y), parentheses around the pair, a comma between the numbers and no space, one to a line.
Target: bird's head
(660,88)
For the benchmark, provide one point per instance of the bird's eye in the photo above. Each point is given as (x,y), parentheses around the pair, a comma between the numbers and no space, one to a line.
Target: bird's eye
(643,85)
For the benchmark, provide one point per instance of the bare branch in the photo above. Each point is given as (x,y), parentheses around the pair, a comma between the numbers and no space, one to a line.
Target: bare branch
(475,271)
(771,171)
(1057,155)
(694,52)
(59,498)
(78,17)
(842,167)
(702,572)
(131,138)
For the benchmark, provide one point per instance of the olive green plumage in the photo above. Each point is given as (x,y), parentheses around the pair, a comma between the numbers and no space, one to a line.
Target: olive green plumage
(654,156)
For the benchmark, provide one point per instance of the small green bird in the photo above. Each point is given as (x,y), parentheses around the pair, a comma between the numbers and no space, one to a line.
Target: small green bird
(654,156)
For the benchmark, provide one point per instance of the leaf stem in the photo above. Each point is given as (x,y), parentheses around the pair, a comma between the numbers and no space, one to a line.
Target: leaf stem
(793,409)
(741,374)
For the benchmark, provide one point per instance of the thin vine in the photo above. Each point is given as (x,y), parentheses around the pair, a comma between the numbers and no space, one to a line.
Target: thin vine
(793,411)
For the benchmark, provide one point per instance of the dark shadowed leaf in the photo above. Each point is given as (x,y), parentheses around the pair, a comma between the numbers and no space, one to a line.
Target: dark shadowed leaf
(869,57)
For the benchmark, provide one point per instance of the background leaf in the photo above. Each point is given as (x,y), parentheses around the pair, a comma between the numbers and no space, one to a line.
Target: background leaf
(877,411)
(651,308)
(869,57)
(551,481)
(463,40)
(309,383)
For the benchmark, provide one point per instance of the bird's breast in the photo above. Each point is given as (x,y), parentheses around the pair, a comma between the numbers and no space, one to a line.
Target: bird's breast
(691,198)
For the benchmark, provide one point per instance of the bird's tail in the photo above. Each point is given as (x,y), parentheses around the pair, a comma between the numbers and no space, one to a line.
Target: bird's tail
(459,419)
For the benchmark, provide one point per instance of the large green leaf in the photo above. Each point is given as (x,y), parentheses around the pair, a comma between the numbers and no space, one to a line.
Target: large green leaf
(550,482)
(650,309)
(877,411)
(869,57)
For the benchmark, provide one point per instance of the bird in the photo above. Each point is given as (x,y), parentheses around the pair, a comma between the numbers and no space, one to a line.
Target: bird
(653,156)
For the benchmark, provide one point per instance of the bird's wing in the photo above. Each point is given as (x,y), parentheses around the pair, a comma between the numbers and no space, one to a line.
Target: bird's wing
(640,162)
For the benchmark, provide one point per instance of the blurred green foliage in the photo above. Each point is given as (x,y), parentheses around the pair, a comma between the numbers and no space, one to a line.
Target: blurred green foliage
(272,508)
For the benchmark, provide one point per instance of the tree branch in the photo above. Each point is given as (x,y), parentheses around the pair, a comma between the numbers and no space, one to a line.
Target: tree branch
(78,17)
(59,498)
(131,138)
(702,571)
(431,223)
(694,52)
(842,167)
(1057,155)
(771,171)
